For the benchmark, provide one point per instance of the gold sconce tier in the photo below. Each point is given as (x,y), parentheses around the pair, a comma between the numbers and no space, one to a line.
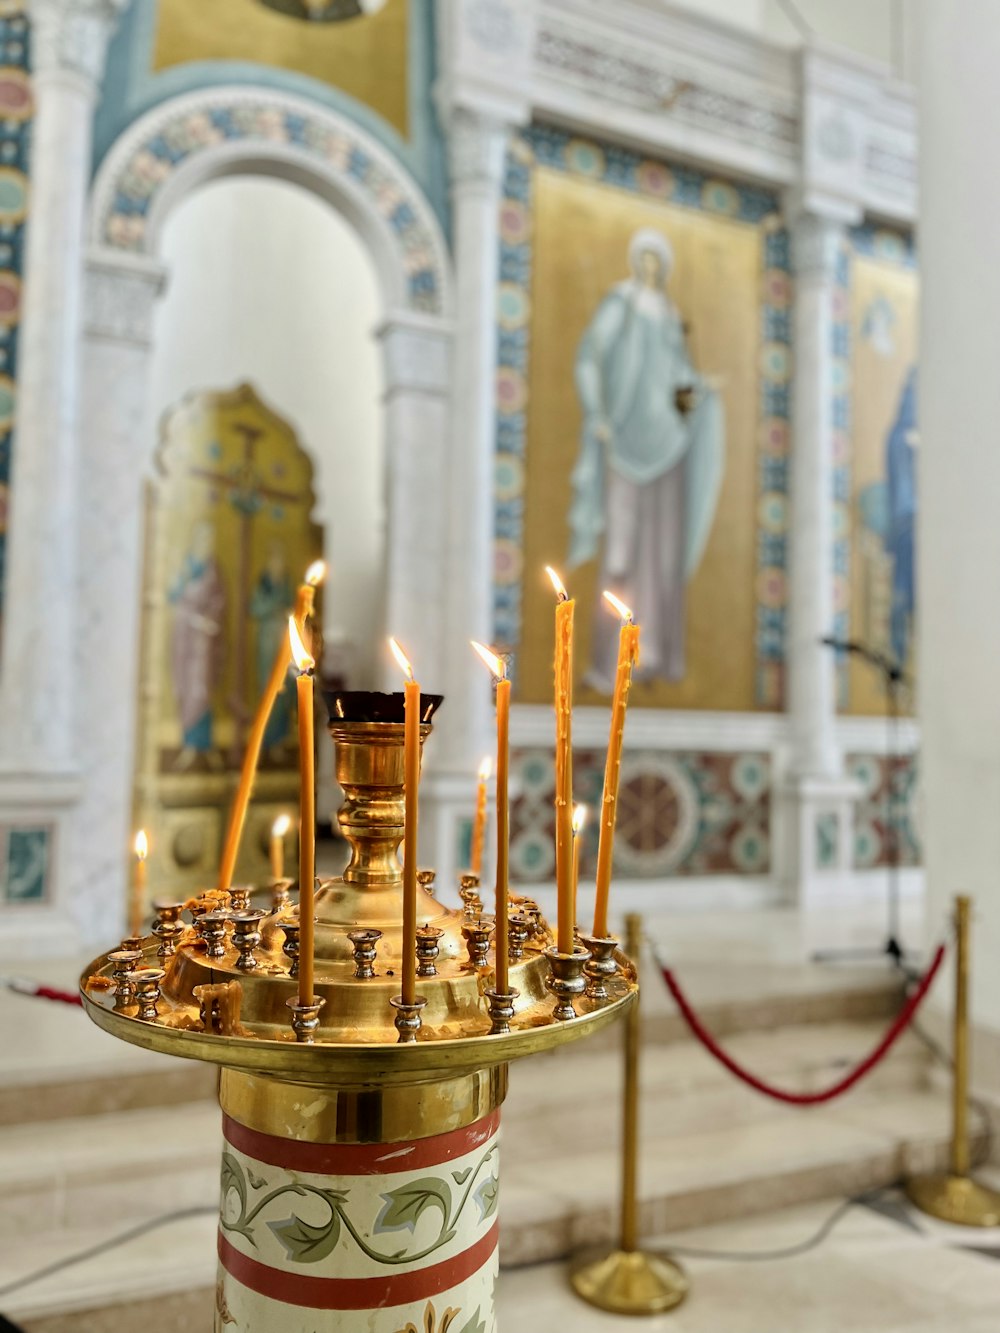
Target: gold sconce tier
(355,1037)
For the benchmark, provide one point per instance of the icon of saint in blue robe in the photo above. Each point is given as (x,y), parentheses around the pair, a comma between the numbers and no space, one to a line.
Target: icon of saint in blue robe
(647,478)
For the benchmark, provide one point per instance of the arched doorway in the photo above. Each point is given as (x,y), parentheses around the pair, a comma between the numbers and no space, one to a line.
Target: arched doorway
(159,162)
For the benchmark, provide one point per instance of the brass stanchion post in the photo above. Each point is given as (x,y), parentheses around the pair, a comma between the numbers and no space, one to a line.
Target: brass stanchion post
(626,1279)
(953,1196)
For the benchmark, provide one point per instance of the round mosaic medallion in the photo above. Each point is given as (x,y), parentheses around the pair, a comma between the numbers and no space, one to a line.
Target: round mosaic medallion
(657,814)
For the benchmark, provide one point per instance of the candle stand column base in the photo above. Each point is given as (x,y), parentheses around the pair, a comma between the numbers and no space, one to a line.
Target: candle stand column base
(958,1199)
(629,1281)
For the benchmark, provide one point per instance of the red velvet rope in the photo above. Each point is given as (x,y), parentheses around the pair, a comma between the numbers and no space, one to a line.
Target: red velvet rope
(898,1026)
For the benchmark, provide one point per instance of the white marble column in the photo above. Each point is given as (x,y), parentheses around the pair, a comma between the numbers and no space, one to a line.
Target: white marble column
(958,533)
(115,451)
(818,800)
(477,146)
(37,708)
(40,697)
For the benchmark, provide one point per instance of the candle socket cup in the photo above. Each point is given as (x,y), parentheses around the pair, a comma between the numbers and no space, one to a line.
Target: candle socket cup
(501,1005)
(365,944)
(146,981)
(565,981)
(281,899)
(123,964)
(600,967)
(305,1018)
(130,943)
(468,891)
(477,940)
(168,927)
(239,897)
(519,931)
(246,936)
(211,926)
(428,949)
(426,878)
(408,1021)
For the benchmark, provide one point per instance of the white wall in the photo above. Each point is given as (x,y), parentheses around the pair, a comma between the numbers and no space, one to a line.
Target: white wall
(269,284)
(959,535)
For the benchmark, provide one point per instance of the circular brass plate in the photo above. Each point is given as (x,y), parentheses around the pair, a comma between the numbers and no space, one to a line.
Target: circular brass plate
(636,1283)
(955,1199)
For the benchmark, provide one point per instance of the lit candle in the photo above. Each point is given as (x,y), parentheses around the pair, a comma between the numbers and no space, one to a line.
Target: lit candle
(139,883)
(479,825)
(305,599)
(278,830)
(499,669)
(564,761)
(305,666)
(628,655)
(411,786)
(579,819)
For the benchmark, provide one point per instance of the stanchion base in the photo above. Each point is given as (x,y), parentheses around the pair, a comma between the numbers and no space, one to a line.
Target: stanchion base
(628,1282)
(957,1199)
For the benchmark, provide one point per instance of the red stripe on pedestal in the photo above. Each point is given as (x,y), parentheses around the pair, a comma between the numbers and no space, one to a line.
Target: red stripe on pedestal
(359,1159)
(356,1293)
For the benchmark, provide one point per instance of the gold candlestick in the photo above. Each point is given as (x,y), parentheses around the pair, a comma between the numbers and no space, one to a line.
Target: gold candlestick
(627,1280)
(479,823)
(499,669)
(279,829)
(138,912)
(564,761)
(628,655)
(954,1196)
(305,666)
(411,789)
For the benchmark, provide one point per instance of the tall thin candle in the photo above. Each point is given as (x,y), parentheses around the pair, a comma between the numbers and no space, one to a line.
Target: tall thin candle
(138,911)
(564,761)
(307,811)
(411,786)
(579,819)
(628,655)
(479,823)
(305,599)
(499,669)
(278,830)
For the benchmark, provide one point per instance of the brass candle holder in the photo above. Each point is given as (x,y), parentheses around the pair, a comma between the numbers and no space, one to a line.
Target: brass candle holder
(365,944)
(168,927)
(565,981)
(477,936)
(428,948)
(281,898)
(600,967)
(356,1065)
(468,891)
(519,931)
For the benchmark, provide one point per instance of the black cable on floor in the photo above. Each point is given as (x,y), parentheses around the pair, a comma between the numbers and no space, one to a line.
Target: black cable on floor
(102,1247)
(785,1251)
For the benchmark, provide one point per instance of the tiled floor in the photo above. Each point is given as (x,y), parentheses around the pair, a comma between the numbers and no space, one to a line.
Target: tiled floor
(891,1271)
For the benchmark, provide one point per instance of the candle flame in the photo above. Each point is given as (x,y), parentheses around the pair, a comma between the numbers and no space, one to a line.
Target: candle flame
(617,605)
(496,664)
(281,826)
(402,659)
(300,654)
(316,573)
(558,584)
(579,819)
(141,845)
(485,769)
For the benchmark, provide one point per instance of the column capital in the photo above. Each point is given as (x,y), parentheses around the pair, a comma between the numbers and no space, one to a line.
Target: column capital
(417,351)
(71,37)
(120,294)
(477,145)
(816,242)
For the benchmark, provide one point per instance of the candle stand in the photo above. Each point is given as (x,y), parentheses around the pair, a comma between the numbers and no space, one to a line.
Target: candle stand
(360,1174)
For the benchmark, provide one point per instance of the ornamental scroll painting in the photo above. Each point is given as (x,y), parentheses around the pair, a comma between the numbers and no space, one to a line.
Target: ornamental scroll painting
(642,426)
(232,534)
(883,465)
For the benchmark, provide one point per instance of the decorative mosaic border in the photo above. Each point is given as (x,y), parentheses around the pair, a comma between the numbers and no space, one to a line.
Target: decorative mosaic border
(885,784)
(681,813)
(16,112)
(897,248)
(195,123)
(545,146)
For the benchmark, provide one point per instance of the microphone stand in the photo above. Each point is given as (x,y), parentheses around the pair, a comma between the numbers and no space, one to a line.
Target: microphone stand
(893,678)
